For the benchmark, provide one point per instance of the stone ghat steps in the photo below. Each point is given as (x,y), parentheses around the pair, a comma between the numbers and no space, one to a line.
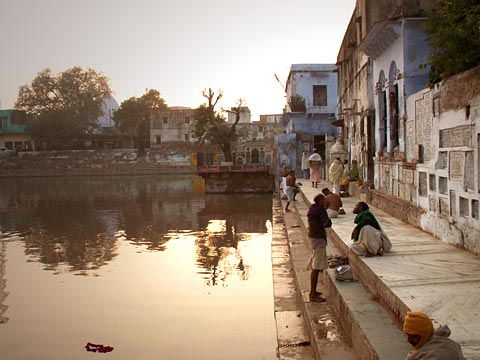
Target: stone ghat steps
(421,273)
(372,329)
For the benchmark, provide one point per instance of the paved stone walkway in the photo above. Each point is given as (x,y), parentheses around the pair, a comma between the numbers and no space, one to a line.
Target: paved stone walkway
(421,273)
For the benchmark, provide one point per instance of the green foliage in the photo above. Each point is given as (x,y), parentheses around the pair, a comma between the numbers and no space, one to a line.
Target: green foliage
(297,103)
(133,116)
(453,34)
(58,128)
(69,103)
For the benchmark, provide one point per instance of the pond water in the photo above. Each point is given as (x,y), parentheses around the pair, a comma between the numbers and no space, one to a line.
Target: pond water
(149,265)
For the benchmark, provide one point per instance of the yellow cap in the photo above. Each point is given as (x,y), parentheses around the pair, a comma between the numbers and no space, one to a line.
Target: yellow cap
(418,323)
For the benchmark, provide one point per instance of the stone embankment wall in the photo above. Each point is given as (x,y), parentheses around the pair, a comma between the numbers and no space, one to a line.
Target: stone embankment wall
(92,162)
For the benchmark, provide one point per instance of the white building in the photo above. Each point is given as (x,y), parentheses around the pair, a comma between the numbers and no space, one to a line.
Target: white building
(172,124)
(109,107)
(317,84)
(245,115)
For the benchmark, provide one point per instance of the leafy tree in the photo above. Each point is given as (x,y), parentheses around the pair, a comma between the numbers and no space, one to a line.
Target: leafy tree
(63,107)
(453,34)
(74,92)
(210,125)
(58,128)
(297,103)
(134,114)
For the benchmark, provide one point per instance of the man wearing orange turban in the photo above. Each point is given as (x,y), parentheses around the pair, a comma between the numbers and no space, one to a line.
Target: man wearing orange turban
(429,344)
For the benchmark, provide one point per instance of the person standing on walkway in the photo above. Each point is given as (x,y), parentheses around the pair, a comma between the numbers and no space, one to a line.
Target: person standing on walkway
(305,166)
(283,174)
(368,237)
(333,203)
(335,174)
(429,344)
(292,188)
(318,220)
(315,162)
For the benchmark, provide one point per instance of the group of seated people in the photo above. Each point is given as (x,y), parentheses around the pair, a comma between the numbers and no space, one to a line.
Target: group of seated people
(368,237)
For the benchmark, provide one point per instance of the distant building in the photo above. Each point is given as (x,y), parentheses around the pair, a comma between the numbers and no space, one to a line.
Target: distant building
(317,84)
(271,118)
(12,130)
(245,115)
(314,128)
(109,107)
(171,125)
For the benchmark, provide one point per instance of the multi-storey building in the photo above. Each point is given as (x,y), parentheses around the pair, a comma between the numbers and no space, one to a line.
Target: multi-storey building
(314,128)
(417,147)
(378,68)
(171,125)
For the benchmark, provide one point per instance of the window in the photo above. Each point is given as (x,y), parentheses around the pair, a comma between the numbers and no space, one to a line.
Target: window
(165,120)
(464,210)
(442,185)
(475,209)
(319,95)
(187,138)
(432,182)
(187,119)
(158,139)
(394,118)
(422,182)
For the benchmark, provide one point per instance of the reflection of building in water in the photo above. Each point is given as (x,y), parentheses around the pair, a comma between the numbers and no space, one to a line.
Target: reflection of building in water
(244,213)
(169,214)
(3,280)
(248,224)
(226,221)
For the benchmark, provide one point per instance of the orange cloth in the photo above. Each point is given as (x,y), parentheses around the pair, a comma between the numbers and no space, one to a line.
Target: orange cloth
(418,323)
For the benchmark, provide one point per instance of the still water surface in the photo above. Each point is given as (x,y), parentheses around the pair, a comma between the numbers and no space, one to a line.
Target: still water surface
(149,265)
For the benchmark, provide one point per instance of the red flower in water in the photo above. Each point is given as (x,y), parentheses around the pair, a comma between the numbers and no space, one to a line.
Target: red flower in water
(98,347)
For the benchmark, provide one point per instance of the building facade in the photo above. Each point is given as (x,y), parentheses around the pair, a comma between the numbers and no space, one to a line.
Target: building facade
(417,147)
(171,125)
(441,172)
(378,67)
(109,107)
(12,130)
(314,128)
(245,115)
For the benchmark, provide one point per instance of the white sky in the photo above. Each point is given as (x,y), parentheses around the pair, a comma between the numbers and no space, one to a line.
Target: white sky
(178,47)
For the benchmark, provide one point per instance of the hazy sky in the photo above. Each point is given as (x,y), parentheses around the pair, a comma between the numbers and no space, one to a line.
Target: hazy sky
(178,47)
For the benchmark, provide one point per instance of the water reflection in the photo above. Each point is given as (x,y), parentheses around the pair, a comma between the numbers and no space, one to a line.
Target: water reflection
(148,248)
(78,221)
(236,216)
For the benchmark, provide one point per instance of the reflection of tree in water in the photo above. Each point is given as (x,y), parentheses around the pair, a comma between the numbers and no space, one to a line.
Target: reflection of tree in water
(218,254)
(68,232)
(72,222)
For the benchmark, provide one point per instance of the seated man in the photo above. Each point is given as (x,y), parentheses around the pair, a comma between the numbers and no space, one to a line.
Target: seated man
(429,344)
(368,237)
(332,203)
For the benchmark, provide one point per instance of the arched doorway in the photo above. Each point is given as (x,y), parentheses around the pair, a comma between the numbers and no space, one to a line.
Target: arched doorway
(255,156)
